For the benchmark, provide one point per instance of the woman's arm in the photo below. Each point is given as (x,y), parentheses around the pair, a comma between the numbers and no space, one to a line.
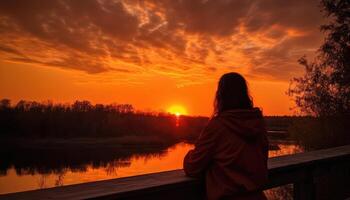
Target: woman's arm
(197,160)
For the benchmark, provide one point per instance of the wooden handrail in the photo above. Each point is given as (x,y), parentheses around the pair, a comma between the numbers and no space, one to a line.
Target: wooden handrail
(307,171)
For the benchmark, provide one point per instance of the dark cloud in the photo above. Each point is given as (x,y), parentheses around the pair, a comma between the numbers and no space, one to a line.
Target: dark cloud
(299,14)
(77,30)
(125,36)
(212,69)
(218,17)
(10,50)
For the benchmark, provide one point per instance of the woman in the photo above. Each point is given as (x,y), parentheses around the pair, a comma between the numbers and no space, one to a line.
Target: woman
(231,152)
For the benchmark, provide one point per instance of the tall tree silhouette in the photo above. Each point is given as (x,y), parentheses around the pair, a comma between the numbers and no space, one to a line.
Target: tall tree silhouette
(324,90)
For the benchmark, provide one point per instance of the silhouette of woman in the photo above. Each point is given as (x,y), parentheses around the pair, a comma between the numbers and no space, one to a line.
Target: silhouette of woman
(231,152)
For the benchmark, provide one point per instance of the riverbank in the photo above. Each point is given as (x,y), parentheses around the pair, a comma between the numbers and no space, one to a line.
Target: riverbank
(93,143)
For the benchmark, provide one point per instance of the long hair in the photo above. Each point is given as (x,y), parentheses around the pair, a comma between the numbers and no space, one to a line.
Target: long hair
(232,93)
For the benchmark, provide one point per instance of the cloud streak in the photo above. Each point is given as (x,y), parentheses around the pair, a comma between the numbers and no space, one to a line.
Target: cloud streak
(262,39)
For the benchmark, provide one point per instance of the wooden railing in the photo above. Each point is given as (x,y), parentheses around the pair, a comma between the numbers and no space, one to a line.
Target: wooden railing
(322,174)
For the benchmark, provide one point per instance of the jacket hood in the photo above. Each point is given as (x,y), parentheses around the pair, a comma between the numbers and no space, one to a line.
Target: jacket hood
(246,123)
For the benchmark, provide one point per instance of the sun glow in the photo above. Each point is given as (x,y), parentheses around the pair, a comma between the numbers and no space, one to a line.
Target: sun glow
(177,110)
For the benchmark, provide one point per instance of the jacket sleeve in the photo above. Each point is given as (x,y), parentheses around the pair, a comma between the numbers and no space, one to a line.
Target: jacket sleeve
(197,160)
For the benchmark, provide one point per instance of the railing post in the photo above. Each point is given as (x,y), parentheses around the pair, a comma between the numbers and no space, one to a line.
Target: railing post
(304,190)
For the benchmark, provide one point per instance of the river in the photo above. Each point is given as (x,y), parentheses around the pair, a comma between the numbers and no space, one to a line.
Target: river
(24,175)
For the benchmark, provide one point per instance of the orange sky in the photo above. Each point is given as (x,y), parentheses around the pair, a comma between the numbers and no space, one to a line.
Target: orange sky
(154,54)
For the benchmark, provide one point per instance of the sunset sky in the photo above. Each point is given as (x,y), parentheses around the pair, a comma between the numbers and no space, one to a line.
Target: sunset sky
(154,54)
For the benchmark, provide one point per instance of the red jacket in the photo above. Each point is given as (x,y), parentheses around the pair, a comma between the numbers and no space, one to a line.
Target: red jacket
(231,153)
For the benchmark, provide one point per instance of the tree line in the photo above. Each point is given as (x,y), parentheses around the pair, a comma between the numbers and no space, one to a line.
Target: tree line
(83,119)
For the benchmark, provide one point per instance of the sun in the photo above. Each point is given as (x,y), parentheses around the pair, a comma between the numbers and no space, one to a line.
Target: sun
(177,110)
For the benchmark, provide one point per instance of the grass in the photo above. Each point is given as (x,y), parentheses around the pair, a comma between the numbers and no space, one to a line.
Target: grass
(319,133)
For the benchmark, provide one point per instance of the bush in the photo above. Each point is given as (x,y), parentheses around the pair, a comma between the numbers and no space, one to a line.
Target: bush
(321,132)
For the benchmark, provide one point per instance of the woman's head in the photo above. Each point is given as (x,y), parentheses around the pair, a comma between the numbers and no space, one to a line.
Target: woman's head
(232,93)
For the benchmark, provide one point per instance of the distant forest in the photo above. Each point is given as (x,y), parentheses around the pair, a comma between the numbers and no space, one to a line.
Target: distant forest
(83,119)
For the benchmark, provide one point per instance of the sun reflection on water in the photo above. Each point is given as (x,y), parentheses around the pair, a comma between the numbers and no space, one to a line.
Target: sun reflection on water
(171,159)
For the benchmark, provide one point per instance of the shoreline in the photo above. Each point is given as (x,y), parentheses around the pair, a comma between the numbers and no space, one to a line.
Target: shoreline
(58,143)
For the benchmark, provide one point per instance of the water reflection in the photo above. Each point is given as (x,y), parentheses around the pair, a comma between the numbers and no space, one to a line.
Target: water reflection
(35,169)
(284,148)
